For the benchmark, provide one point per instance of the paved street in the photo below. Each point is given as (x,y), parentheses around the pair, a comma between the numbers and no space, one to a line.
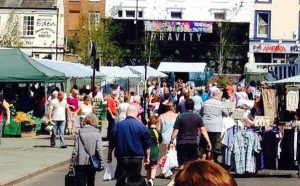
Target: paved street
(35,163)
(56,177)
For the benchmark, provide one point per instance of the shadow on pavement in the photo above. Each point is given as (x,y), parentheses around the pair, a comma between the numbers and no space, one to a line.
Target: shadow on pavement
(262,176)
(48,146)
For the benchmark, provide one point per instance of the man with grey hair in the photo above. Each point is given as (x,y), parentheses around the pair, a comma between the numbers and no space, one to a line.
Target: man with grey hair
(130,139)
(212,111)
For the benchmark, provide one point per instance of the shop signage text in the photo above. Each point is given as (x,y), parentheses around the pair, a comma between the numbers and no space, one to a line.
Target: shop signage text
(274,48)
(179,26)
(169,36)
(46,28)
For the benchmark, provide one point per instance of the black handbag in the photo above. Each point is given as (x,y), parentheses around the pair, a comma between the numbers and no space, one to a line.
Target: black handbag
(94,160)
(70,179)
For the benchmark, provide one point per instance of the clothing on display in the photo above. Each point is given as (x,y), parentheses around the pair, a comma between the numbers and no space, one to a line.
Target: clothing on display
(292,100)
(270,101)
(290,149)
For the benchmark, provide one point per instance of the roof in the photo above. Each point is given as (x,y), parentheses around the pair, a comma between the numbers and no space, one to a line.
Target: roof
(140,70)
(293,79)
(71,70)
(27,3)
(181,67)
(117,72)
(16,66)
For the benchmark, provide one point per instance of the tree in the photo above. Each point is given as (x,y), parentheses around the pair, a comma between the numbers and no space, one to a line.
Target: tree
(225,47)
(11,35)
(151,53)
(103,33)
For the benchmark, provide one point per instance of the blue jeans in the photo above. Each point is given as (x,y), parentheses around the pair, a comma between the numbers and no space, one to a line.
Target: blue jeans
(58,127)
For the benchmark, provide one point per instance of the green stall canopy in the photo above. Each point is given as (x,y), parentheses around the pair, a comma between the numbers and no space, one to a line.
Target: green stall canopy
(16,66)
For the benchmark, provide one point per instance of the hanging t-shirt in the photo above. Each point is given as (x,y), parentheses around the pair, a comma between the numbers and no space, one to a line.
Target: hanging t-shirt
(270,103)
(292,100)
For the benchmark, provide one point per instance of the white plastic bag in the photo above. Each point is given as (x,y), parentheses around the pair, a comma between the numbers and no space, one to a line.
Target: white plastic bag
(169,162)
(109,172)
(165,167)
(172,156)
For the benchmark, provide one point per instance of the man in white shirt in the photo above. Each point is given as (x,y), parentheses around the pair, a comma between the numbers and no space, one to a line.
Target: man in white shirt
(57,115)
(96,93)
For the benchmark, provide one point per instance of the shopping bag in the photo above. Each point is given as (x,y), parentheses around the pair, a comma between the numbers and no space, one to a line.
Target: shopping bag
(109,172)
(165,166)
(172,156)
(70,179)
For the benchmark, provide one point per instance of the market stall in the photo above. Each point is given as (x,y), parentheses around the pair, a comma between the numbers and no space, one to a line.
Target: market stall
(274,130)
(194,71)
(151,74)
(76,73)
(123,77)
(15,68)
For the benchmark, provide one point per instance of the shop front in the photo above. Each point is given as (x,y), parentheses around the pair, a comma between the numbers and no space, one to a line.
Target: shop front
(279,59)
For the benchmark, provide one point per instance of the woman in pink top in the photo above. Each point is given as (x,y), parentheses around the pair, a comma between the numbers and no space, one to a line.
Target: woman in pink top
(72,101)
(137,103)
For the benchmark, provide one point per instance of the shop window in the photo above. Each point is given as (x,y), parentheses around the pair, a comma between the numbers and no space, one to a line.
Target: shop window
(94,19)
(130,13)
(176,15)
(140,13)
(263,58)
(219,16)
(28,25)
(263,1)
(120,13)
(262,24)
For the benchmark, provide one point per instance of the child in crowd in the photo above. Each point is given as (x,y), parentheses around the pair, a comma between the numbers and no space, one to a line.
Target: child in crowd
(155,140)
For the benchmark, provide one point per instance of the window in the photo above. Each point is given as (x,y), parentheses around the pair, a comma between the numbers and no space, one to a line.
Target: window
(220,16)
(176,15)
(140,13)
(120,13)
(263,1)
(94,19)
(28,25)
(263,24)
(130,13)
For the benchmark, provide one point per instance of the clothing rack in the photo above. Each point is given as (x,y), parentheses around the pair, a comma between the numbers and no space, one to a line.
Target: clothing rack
(236,128)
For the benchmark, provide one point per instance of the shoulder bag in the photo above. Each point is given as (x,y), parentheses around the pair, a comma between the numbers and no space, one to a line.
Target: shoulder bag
(94,160)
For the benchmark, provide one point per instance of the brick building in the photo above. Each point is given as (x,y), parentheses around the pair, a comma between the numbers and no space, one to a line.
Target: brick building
(75,8)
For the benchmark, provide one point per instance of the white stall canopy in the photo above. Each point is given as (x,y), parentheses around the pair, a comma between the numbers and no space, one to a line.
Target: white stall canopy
(151,72)
(181,67)
(291,80)
(71,70)
(117,72)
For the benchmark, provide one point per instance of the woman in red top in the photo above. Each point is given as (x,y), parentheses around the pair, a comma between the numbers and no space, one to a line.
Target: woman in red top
(111,112)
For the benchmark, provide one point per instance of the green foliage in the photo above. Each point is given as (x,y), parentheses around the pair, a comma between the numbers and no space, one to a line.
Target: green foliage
(151,52)
(226,50)
(11,36)
(103,34)
(222,80)
(72,45)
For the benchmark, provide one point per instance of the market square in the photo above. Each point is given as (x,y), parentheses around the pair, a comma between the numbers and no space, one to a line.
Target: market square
(141,92)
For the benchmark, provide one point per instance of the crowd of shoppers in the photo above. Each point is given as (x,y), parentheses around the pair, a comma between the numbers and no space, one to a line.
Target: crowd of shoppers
(183,117)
